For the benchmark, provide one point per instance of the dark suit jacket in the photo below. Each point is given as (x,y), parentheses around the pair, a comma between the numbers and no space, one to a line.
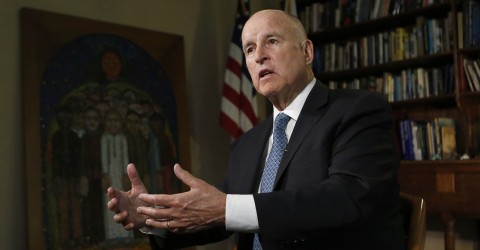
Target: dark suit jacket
(336,187)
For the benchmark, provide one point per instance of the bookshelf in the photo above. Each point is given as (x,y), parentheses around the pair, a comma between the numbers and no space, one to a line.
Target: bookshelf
(424,55)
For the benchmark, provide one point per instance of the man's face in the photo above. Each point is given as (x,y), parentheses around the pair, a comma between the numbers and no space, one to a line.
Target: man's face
(133,123)
(113,123)
(92,120)
(111,65)
(275,59)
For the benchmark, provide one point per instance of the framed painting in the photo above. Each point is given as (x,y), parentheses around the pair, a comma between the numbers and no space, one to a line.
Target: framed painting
(96,96)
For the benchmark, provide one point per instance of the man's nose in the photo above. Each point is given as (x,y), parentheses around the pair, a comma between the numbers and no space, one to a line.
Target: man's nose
(260,55)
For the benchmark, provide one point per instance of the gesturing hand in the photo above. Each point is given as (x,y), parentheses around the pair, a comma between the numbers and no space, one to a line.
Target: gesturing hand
(200,208)
(125,204)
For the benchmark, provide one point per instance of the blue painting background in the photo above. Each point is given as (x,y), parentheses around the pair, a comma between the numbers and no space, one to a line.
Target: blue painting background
(77,62)
(70,72)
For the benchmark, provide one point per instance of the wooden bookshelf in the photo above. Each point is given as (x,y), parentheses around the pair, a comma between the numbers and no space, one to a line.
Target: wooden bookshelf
(448,186)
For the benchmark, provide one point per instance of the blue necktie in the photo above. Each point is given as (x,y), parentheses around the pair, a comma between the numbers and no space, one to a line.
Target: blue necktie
(279,144)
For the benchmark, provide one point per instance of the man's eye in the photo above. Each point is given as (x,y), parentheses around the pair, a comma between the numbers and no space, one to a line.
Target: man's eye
(272,41)
(249,50)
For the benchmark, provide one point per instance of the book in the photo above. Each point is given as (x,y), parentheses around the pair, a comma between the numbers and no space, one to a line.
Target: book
(437,81)
(384,9)
(419,34)
(449,148)
(400,36)
(420,83)
(445,129)
(474,38)
(416,140)
(448,32)
(421,138)
(476,71)
(470,74)
(376,8)
(406,140)
(438,39)
(431,141)
(332,85)
(460,29)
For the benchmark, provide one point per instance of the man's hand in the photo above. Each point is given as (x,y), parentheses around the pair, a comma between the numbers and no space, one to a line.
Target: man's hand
(200,208)
(125,204)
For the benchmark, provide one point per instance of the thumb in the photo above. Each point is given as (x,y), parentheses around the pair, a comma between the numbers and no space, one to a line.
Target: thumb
(133,176)
(184,176)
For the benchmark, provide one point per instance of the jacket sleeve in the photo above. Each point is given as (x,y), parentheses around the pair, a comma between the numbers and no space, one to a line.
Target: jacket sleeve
(178,241)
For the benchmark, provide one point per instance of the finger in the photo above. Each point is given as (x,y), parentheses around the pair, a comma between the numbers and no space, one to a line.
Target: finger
(112,204)
(129,226)
(133,176)
(159,224)
(160,214)
(111,192)
(156,199)
(120,217)
(184,176)
(173,226)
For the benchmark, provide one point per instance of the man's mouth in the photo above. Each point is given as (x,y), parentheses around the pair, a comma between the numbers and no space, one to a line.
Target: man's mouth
(264,72)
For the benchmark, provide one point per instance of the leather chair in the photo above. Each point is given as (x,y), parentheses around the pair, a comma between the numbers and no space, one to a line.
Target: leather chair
(414,220)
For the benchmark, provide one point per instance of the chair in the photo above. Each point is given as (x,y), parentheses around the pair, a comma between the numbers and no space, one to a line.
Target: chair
(414,220)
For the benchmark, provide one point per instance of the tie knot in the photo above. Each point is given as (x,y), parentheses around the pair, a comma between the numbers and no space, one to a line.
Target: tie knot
(281,121)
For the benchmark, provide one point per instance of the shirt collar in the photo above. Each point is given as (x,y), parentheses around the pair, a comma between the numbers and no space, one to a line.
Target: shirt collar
(294,108)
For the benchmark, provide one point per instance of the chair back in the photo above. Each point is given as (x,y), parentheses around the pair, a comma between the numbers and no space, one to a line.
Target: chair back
(414,219)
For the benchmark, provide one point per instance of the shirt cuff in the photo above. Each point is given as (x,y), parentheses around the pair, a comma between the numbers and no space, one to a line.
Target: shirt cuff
(159,235)
(154,231)
(241,213)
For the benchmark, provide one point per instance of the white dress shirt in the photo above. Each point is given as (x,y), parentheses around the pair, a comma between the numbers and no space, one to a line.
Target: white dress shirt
(240,212)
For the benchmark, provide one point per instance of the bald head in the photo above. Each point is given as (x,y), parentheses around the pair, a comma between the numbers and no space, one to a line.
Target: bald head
(291,23)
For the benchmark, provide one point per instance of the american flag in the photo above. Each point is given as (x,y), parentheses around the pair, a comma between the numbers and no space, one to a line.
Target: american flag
(239,101)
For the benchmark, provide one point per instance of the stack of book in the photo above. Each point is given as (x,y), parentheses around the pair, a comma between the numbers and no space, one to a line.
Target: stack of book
(330,14)
(409,84)
(468,22)
(432,140)
(427,37)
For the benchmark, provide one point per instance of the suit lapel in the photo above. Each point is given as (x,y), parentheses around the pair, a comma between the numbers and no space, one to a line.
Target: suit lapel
(312,112)
(253,165)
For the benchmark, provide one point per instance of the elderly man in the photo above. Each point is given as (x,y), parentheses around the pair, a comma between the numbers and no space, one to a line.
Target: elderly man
(320,173)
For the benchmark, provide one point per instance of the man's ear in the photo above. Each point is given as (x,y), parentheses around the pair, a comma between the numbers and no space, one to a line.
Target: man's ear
(308,51)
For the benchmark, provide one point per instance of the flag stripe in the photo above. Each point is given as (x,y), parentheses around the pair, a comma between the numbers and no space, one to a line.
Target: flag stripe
(231,96)
(236,53)
(231,110)
(234,67)
(232,80)
(248,104)
(229,125)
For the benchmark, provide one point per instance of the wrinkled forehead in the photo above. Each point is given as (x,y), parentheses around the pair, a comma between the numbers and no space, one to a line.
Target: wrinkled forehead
(266,23)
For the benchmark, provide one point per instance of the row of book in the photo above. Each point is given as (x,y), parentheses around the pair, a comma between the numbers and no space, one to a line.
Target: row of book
(428,140)
(428,37)
(409,84)
(329,14)
(471,70)
(468,21)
